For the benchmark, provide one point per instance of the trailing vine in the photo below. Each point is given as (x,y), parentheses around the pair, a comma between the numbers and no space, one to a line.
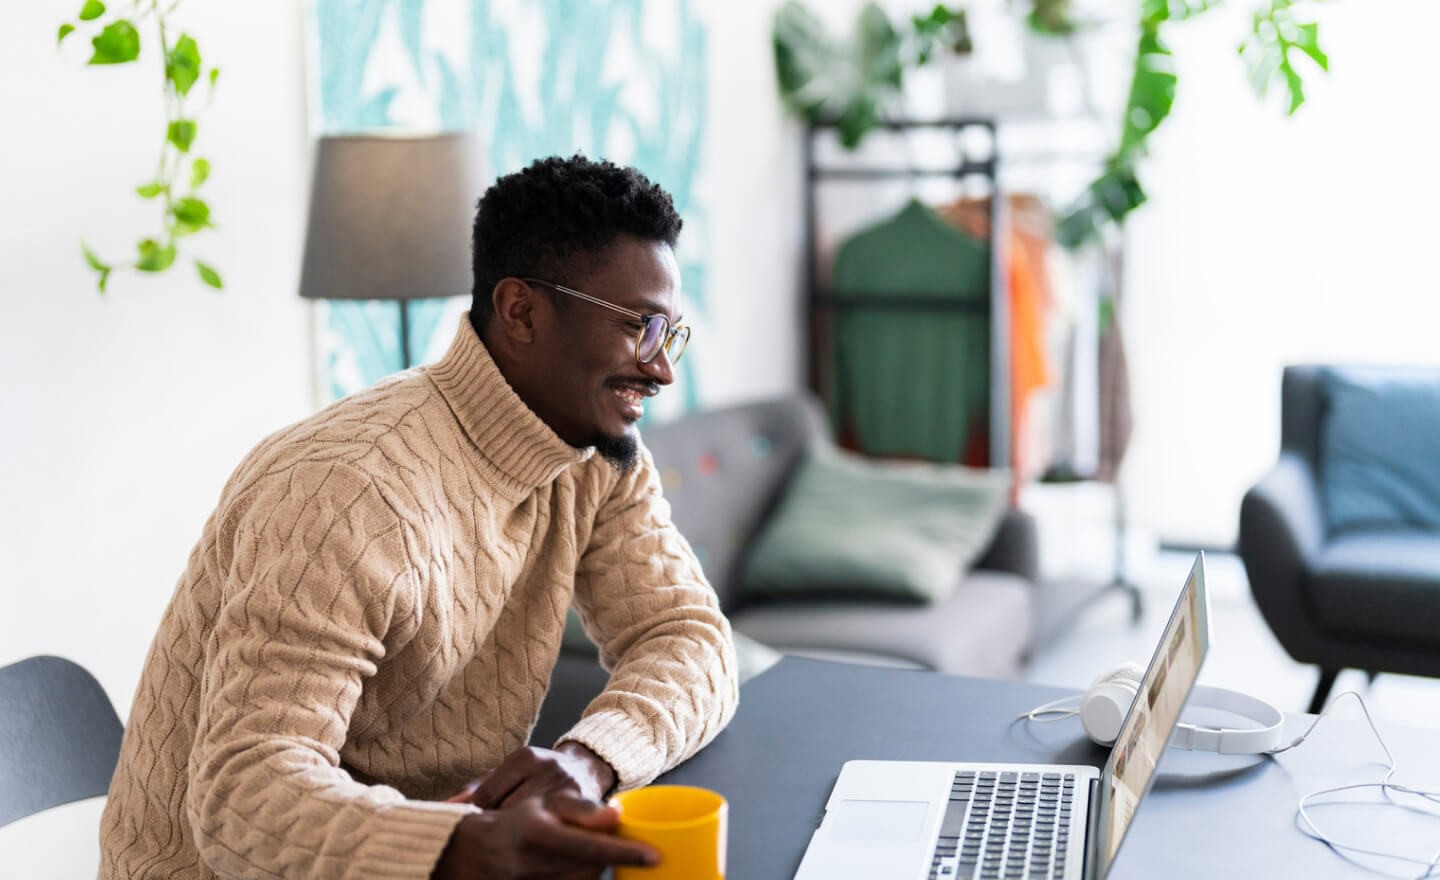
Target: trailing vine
(179,173)
(849,83)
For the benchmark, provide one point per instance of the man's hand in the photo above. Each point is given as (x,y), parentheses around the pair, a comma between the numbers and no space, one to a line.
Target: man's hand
(559,835)
(533,772)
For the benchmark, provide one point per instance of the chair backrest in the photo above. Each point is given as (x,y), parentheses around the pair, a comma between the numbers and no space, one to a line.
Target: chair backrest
(723,471)
(1302,408)
(59,736)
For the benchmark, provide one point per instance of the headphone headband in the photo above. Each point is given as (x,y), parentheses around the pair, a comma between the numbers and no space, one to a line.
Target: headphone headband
(1226,740)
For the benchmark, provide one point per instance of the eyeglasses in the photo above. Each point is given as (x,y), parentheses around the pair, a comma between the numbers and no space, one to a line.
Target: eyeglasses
(655,330)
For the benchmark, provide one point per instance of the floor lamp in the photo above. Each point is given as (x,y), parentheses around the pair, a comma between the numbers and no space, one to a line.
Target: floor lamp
(390,218)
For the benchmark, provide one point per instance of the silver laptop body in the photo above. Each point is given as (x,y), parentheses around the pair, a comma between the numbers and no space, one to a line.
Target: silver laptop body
(913,820)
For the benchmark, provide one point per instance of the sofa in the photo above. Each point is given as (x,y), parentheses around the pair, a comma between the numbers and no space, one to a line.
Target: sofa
(724,472)
(1340,539)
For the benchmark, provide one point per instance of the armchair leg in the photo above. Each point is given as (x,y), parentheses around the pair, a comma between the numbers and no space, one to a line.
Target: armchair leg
(1322,689)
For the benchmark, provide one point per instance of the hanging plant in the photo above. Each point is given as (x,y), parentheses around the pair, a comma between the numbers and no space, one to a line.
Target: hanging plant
(1277,37)
(849,84)
(180,173)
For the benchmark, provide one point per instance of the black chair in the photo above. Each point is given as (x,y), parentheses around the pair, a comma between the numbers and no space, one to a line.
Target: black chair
(59,736)
(1342,600)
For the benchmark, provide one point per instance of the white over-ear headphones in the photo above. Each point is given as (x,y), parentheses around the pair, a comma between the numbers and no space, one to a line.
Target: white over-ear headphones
(1105,703)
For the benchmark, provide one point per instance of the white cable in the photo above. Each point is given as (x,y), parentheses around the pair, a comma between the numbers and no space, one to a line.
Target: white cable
(1059,712)
(1385,786)
(1054,707)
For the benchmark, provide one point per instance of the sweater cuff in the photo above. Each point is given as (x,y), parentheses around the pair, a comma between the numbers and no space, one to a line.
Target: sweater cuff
(626,746)
(409,836)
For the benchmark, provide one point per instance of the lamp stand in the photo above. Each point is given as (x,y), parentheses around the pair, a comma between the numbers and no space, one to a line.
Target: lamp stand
(405,362)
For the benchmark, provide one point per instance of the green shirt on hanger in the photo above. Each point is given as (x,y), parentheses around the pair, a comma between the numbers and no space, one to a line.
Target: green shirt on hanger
(908,381)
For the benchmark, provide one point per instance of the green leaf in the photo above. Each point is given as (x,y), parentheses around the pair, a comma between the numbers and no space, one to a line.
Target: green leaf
(944,29)
(199,173)
(117,44)
(937,19)
(1051,17)
(878,48)
(1267,52)
(1077,227)
(1295,86)
(1152,91)
(150,190)
(181,133)
(104,279)
(826,81)
(214,75)
(1264,63)
(1117,192)
(1156,11)
(65,30)
(1309,42)
(95,262)
(804,54)
(182,67)
(92,10)
(155,257)
(859,116)
(191,215)
(209,275)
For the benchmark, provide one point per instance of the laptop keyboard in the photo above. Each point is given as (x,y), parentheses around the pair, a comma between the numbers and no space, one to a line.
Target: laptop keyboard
(1002,824)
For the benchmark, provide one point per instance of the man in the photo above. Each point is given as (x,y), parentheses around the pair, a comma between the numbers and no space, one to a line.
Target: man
(347,674)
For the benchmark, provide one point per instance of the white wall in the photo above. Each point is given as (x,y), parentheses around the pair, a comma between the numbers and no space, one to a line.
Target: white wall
(1270,241)
(122,416)
(752,188)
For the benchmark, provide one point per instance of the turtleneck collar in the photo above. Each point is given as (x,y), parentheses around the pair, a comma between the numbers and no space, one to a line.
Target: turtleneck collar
(523,451)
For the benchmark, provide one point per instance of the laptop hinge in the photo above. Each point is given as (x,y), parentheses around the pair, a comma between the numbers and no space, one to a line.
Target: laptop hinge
(1092,831)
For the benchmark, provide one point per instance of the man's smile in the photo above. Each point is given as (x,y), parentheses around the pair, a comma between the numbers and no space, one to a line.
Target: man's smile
(632,394)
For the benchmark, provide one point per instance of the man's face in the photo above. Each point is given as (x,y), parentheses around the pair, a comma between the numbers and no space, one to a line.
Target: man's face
(591,390)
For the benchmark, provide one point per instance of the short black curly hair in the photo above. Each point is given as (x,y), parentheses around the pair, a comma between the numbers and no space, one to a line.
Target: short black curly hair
(550,219)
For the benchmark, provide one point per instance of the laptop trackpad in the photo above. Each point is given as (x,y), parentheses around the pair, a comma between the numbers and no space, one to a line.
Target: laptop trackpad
(871,822)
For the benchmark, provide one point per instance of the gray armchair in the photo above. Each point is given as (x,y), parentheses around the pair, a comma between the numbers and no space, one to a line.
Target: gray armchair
(1356,599)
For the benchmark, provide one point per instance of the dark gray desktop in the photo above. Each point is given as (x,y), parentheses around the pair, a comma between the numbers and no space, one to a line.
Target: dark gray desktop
(1209,815)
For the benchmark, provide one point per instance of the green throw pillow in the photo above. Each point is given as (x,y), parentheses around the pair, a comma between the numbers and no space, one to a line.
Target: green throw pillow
(851,526)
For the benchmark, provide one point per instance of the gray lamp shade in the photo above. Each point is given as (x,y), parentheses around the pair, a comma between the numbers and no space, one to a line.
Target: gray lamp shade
(390,217)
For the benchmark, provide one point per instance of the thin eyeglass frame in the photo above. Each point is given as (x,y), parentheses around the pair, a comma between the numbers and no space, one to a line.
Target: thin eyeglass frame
(672,331)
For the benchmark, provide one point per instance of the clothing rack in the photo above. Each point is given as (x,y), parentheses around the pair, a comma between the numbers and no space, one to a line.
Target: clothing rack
(822,302)
(1120,579)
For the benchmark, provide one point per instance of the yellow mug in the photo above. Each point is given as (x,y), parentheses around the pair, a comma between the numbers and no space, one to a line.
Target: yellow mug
(686,824)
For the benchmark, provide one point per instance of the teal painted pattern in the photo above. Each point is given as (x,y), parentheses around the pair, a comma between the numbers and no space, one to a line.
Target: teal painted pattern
(622,79)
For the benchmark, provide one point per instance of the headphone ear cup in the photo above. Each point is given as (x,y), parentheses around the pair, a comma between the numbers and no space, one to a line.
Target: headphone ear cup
(1107,701)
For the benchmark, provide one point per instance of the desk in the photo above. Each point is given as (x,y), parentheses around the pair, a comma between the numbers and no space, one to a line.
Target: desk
(1208,816)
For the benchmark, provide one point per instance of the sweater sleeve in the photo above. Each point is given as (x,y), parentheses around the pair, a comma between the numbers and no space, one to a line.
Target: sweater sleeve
(316,583)
(645,602)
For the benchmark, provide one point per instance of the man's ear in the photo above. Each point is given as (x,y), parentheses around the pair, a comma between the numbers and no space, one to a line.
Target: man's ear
(514,302)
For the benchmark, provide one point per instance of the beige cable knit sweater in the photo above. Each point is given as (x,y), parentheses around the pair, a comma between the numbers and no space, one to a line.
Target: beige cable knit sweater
(370,619)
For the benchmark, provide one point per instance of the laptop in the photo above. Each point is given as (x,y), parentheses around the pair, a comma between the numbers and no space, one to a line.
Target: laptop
(916,820)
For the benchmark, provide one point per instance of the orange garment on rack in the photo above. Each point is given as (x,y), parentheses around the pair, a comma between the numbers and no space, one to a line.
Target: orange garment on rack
(1029,299)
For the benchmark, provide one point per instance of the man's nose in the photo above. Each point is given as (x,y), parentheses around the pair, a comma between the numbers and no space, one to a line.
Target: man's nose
(659,368)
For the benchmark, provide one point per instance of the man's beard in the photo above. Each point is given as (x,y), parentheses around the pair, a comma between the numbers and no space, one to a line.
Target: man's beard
(622,451)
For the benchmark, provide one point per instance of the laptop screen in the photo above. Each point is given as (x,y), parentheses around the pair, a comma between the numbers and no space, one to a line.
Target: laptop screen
(1130,771)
